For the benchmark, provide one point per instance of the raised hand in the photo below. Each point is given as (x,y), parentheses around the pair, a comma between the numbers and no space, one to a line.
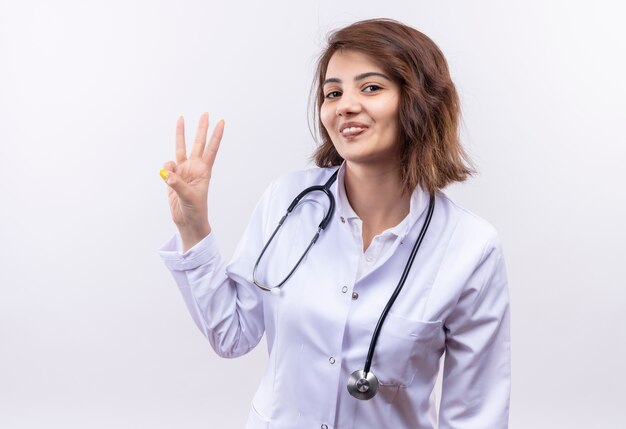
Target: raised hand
(188,179)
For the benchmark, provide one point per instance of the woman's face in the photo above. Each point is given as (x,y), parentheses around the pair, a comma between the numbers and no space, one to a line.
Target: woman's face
(360,110)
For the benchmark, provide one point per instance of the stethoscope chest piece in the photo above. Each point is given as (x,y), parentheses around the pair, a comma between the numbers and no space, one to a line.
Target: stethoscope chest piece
(362,385)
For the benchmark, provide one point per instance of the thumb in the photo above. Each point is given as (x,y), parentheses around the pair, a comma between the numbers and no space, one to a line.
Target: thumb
(176,183)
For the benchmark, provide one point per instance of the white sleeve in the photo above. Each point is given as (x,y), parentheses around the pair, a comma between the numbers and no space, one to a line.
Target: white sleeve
(224,304)
(476,378)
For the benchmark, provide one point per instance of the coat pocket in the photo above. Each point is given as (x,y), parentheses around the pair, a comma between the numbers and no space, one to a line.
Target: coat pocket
(404,347)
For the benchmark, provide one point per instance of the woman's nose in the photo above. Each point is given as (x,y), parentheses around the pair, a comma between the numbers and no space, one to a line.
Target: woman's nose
(348,104)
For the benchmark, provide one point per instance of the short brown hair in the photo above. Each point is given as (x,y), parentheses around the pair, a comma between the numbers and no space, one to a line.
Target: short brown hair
(429,113)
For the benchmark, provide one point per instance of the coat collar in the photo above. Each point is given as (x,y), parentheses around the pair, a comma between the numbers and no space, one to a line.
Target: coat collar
(417,205)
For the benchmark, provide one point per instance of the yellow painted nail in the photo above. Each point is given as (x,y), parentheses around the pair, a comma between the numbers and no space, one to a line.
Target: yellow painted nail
(164,174)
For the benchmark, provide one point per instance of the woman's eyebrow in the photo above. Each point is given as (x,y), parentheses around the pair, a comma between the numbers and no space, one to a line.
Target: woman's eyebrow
(368,74)
(357,77)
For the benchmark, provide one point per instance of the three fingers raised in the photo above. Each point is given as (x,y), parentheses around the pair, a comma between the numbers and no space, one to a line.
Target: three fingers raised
(198,149)
(207,154)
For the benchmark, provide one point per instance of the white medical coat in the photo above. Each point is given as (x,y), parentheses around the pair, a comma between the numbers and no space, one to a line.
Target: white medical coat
(320,324)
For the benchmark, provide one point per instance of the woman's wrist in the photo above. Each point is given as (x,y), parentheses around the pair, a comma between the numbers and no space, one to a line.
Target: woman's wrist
(190,236)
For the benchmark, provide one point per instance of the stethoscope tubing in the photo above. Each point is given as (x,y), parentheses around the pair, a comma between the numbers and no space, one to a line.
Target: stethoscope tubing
(396,292)
(323,224)
(362,384)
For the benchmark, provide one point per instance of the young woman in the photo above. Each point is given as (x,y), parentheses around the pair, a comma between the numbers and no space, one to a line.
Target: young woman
(399,275)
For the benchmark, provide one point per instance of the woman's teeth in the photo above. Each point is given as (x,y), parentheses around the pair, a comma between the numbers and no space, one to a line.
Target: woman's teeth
(351,130)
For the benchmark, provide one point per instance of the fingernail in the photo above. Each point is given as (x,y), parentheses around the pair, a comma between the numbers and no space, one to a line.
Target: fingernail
(164,174)
(223,122)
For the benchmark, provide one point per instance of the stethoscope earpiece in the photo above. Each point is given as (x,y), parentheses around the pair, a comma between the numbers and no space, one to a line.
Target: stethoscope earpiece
(362,385)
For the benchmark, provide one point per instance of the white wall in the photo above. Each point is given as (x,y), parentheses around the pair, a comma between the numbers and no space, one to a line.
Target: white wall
(94,334)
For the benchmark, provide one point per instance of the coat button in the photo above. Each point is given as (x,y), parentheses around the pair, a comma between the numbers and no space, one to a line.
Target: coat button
(344,289)
(355,295)
(324,426)
(331,360)
(343,219)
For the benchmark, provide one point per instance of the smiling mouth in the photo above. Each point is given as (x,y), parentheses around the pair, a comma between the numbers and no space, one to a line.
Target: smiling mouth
(352,131)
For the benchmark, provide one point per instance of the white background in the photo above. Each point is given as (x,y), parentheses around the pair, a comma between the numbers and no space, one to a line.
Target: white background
(93,332)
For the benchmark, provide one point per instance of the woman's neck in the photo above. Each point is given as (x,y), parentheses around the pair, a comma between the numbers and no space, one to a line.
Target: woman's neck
(377,196)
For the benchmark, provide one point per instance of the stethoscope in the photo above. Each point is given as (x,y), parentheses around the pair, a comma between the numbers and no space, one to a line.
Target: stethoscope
(362,383)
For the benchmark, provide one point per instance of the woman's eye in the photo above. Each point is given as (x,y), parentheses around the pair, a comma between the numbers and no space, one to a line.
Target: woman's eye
(372,88)
(333,94)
